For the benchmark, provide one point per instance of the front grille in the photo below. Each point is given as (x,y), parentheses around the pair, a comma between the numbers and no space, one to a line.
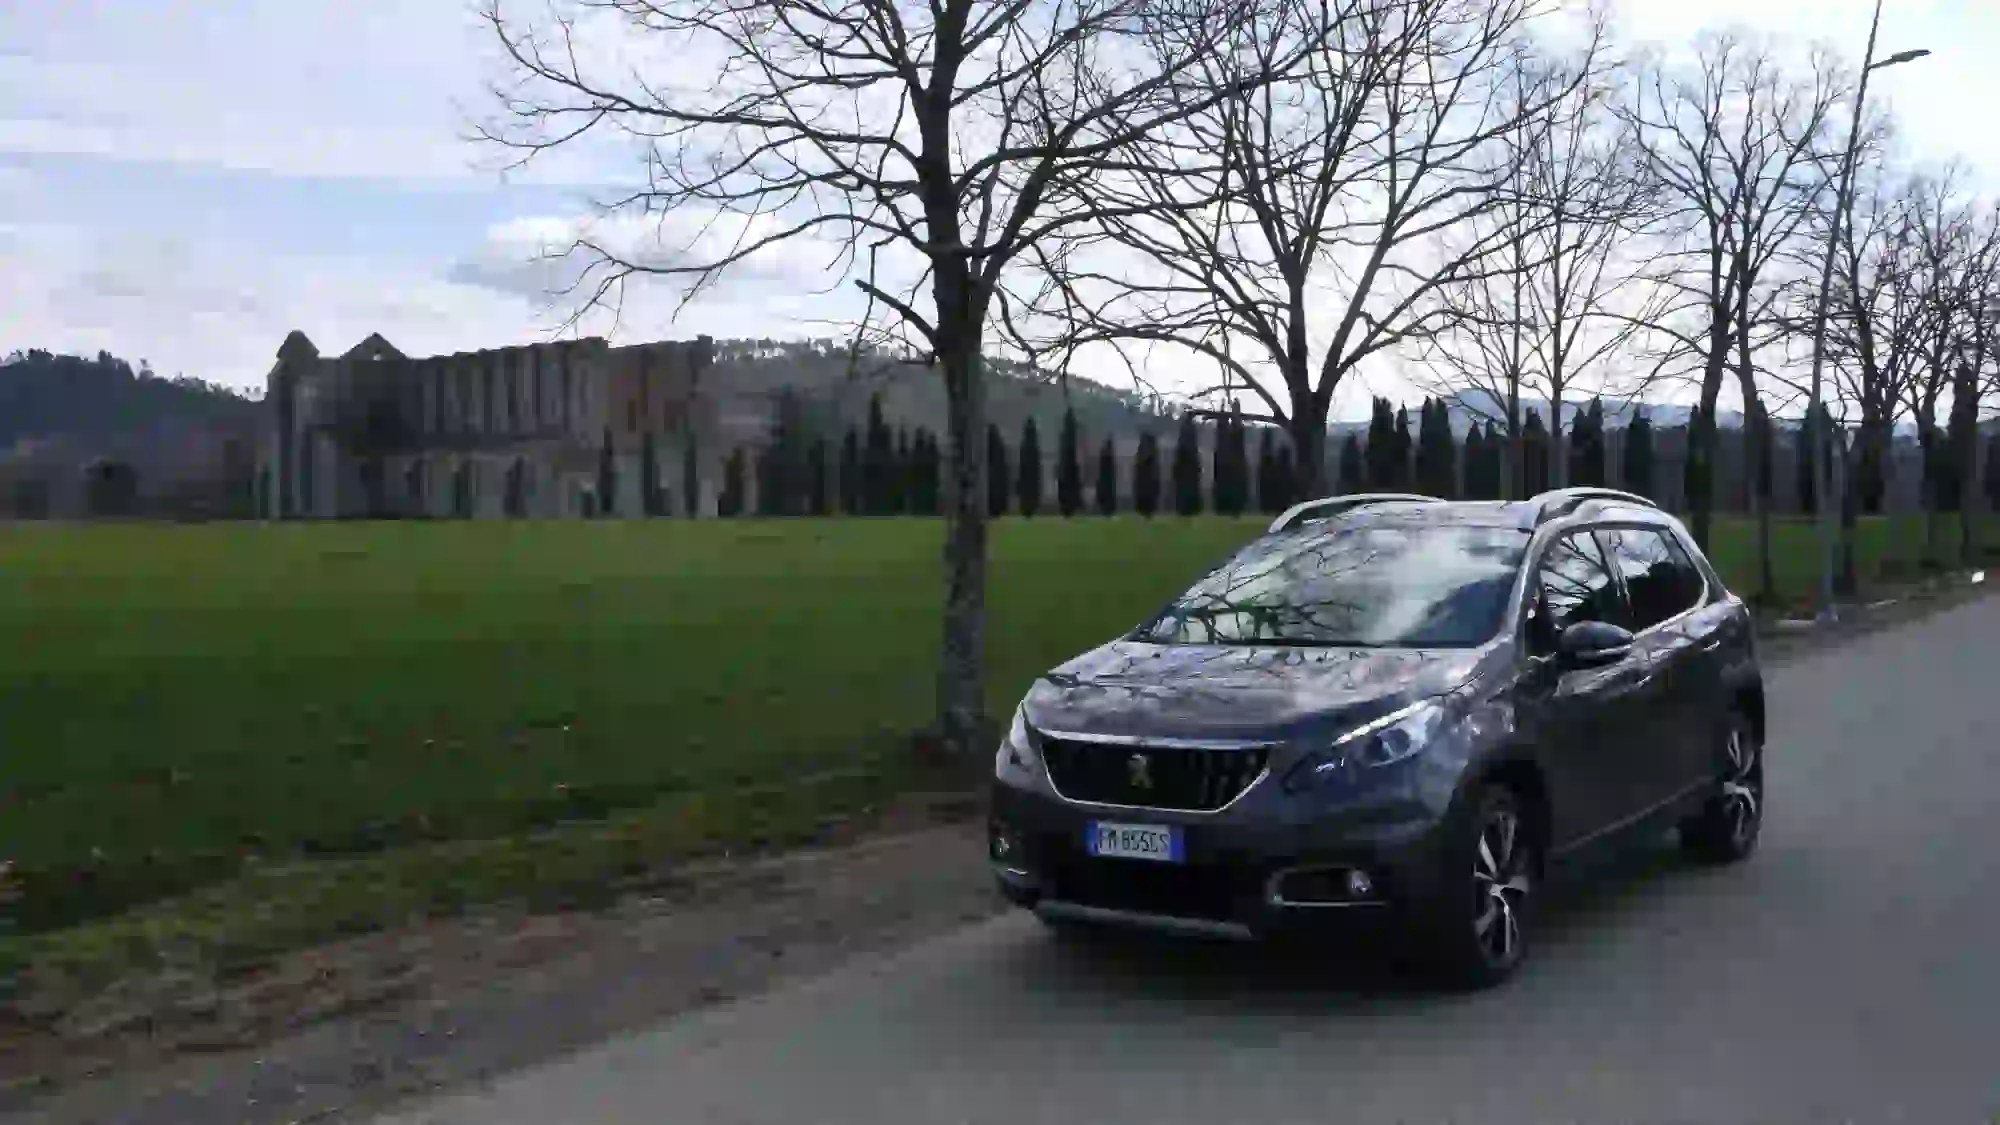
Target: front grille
(1177,890)
(1157,777)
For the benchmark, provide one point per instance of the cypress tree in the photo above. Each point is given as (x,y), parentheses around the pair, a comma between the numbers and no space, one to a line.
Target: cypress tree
(607,478)
(816,490)
(1187,468)
(1107,480)
(1494,450)
(730,503)
(1437,454)
(1474,457)
(900,475)
(1993,473)
(999,486)
(1637,463)
(1535,453)
(852,497)
(1268,492)
(1586,445)
(1069,466)
(1146,475)
(1028,469)
(1806,460)
(770,489)
(1353,470)
(1381,452)
(1405,444)
(649,478)
(924,493)
(1231,464)
(690,476)
(1697,475)
(877,462)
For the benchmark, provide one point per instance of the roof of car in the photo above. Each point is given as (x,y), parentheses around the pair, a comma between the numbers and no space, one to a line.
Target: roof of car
(1526,515)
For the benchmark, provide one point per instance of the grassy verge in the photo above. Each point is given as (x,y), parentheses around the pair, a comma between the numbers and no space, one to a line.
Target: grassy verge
(222,741)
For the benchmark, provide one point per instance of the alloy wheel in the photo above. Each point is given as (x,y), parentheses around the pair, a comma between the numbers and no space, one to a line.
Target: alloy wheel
(1500,884)
(1742,786)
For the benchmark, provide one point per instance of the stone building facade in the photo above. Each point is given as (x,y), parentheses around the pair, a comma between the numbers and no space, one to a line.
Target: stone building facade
(515,432)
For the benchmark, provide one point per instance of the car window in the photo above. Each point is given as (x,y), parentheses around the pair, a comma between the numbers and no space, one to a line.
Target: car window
(1660,581)
(1576,585)
(1338,584)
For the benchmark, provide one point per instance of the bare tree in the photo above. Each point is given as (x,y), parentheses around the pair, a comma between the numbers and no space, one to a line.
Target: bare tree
(1873,335)
(1949,298)
(1551,307)
(1978,351)
(1731,141)
(1289,233)
(925,147)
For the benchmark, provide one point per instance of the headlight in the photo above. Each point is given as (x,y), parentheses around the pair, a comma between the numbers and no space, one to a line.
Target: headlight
(1016,760)
(1383,741)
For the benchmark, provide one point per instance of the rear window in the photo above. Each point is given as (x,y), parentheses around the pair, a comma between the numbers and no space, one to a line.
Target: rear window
(1373,585)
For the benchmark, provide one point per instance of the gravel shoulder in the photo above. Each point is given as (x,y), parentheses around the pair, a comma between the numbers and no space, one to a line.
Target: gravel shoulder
(342,1032)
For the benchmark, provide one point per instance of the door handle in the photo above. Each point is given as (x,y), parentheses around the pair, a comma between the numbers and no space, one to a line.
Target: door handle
(1626,684)
(1712,645)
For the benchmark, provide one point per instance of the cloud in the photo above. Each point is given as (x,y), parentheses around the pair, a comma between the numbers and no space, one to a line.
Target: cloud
(322,88)
(220,311)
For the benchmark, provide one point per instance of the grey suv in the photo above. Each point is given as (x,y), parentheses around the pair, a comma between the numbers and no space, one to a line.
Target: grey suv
(1394,708)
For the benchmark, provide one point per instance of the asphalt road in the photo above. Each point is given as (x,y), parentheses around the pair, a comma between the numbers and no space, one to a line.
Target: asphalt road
(1845,974)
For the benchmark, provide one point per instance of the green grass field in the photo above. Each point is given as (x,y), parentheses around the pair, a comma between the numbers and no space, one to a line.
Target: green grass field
(176,702)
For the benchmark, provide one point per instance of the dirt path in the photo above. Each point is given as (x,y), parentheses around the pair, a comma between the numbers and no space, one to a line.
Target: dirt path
(453,1002)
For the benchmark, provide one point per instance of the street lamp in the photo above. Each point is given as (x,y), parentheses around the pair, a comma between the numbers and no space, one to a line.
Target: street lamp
(1817,417)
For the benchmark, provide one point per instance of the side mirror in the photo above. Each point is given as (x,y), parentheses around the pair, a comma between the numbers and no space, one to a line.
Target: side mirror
(1592,644)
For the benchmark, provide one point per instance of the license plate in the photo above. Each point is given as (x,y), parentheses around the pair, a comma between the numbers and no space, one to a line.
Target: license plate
(1159,843)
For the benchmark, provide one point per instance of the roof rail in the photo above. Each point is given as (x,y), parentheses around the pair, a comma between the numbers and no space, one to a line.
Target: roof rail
(1327,507)
(1562,501)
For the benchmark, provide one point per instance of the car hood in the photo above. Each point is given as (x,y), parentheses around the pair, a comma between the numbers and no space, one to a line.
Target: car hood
(1136,689)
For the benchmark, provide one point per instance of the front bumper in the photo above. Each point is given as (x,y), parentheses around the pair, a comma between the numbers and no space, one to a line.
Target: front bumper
(1237,871)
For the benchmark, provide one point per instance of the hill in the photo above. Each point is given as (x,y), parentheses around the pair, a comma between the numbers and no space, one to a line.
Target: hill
(189,442)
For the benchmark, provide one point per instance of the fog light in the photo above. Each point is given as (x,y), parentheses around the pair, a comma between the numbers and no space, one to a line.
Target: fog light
(1002,846)
(1359,885)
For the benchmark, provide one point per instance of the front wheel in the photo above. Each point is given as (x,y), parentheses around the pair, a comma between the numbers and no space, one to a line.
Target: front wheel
(1727,827)
(1477,928)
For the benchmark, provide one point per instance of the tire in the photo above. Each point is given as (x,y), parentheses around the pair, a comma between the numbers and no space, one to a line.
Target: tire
(1728,825)
(1475,929)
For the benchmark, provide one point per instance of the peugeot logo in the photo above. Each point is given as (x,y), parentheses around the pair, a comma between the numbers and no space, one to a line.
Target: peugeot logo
(1139,771)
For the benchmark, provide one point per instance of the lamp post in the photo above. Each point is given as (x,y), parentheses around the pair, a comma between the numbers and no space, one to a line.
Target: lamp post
(1818,418)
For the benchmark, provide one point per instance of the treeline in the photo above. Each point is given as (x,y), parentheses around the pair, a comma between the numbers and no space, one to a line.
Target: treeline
(1230,467)
(44,393)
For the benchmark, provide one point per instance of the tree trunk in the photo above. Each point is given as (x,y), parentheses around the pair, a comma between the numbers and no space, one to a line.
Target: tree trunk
(1760,499)
(1307,427)
(1971,501)
(1558,451)
(1845,580)
(1930,493)
(961,665)
(1701,440)
(1757,448)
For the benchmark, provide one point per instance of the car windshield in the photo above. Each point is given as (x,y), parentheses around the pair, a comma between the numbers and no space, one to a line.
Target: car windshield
(1376,585)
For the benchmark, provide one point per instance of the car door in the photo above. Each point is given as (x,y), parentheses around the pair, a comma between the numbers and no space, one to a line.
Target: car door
(1663,591)
(1592,726)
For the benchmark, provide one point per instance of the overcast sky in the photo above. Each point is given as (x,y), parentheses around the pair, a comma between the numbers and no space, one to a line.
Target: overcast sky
(186,182)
